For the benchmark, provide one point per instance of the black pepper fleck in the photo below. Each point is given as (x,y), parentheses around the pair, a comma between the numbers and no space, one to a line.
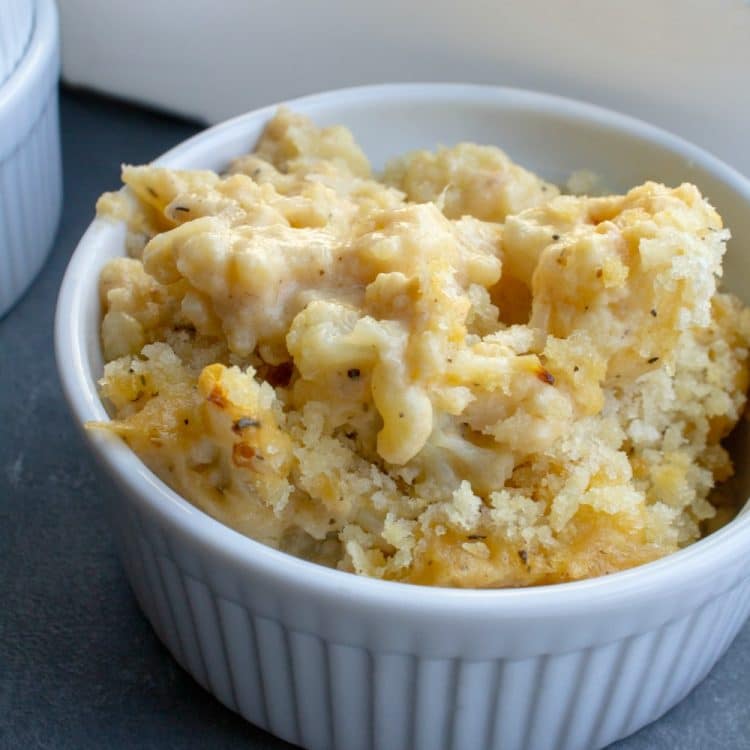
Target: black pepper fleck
(651,360)
(353,373)
(243,423)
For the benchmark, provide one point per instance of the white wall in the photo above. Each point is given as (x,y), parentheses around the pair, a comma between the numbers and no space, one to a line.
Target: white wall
(682,64)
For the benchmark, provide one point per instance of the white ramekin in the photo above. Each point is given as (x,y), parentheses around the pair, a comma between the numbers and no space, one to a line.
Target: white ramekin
(325,659)
(16,23)
(30,166)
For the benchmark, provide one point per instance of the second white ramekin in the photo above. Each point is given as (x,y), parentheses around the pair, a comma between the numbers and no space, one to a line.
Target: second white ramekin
(326,659)
(16,24)
(30,161)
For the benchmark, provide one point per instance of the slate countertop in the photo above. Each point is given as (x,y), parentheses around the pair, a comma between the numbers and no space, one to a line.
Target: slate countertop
(79,665)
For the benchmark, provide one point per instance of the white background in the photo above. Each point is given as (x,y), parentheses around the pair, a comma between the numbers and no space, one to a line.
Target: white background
(681,64)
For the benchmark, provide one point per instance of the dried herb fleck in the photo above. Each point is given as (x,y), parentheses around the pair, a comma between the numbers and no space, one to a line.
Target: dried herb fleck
(545,376)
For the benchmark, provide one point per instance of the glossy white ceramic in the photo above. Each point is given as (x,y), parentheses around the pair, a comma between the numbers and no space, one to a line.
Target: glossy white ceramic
(30,162)
(16,24)
(325,659)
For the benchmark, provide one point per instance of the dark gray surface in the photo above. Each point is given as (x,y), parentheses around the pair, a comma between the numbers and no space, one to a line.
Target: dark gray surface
(79,666)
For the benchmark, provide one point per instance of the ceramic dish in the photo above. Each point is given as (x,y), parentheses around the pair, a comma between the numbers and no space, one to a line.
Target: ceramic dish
(325,659)
(30,162)
(17,22)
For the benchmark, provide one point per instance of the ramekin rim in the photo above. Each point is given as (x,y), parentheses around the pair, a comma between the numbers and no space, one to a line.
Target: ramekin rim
(32,69)
(124,465)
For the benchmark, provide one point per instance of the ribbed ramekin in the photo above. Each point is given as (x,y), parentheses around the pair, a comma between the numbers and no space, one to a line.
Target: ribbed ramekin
(325,659)
(16,23)
(30,166)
